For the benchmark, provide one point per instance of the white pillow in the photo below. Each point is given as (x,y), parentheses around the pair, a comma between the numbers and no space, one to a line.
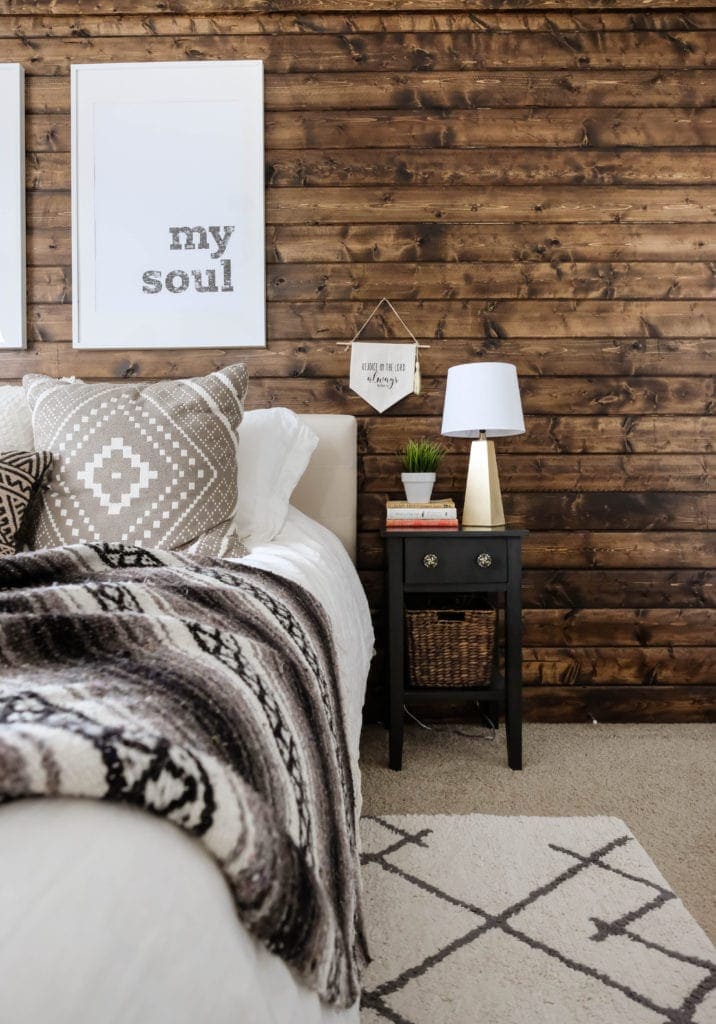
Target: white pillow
(274,451)
(15,421)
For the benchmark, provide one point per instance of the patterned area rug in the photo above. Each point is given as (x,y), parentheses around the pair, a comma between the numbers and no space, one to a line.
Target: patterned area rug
(526,921)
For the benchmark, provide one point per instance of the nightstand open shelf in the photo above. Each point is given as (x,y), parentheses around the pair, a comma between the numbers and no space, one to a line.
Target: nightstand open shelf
(468,561)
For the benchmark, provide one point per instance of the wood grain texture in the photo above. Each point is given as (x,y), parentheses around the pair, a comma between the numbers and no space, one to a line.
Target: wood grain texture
(549,203)
(49,170)
(529,181)
(561,472)
(384,51)
(598,588)
(604,666)
(620,703)
(649,627)
(356,21)
(451,243)
(584,549)
(413,281)
(451,90)
(602,510)
(133,7)
(483,320)
(559,434)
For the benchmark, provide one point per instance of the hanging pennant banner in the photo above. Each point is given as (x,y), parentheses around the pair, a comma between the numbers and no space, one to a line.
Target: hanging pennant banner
(381,373)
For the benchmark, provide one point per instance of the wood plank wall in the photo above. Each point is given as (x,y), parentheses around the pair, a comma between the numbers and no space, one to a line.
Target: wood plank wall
(528,181)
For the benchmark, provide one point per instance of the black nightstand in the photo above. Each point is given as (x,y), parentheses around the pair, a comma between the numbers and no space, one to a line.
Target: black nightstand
(471,560)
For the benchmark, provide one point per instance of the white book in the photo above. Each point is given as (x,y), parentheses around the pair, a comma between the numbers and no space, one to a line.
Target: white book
(420,513)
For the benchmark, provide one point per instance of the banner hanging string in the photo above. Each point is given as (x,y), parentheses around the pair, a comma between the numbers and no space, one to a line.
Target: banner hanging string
(417,380)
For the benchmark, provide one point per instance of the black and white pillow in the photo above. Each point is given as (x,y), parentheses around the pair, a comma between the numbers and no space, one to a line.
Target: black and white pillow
(21,474)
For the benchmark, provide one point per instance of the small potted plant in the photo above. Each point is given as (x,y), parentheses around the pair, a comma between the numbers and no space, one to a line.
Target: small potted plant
(420,461)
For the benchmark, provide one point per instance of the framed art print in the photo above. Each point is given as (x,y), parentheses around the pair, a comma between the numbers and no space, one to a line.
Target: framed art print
(12,206)
(167,205)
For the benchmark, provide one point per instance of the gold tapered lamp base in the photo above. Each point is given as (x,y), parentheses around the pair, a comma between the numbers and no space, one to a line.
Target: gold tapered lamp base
(483,500)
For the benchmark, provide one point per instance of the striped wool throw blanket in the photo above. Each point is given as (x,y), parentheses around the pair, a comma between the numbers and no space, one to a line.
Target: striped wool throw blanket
(204,692)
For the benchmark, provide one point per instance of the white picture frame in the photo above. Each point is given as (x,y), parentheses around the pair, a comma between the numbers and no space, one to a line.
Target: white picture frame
(12,207)
(168,205)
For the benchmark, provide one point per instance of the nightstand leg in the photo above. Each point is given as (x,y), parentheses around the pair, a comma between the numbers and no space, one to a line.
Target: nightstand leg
(396,738)
(396,647)
(513,660)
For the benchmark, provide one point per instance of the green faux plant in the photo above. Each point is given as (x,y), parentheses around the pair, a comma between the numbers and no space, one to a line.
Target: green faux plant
(422,456)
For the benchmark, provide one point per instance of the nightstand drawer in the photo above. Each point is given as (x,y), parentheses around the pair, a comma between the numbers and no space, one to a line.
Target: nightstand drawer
(455,560)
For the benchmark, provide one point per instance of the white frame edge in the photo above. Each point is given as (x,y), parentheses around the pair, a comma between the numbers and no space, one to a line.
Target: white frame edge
(133,342)
(14,92)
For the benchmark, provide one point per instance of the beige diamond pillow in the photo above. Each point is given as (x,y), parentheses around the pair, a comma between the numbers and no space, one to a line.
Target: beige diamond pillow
(152,465)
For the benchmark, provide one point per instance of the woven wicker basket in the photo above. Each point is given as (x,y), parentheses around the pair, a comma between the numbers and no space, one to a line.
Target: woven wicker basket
(450,647)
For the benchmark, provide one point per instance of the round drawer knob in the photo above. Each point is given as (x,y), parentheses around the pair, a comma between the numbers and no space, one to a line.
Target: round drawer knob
(483,560)
(430,561)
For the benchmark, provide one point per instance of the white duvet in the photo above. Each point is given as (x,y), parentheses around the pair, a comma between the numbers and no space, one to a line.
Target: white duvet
(111,916)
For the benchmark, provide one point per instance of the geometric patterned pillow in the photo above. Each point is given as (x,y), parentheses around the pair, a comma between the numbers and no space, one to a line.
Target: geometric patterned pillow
(153,465)
(21,474)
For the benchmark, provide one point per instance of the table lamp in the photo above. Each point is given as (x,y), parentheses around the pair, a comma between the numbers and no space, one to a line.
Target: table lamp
(482,400)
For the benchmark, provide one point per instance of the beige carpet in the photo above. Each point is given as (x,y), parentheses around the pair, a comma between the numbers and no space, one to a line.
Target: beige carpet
(534,921)
(659,779)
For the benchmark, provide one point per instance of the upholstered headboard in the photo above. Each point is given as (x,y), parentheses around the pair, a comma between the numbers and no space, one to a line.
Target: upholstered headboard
(328,490)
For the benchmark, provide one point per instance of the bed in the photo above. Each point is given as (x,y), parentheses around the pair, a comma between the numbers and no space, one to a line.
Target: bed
(108,913)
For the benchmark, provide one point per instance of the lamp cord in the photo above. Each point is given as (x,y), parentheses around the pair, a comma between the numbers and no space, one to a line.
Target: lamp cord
(489,735)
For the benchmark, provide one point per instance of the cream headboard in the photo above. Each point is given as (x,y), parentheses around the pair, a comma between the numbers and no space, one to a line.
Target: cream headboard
(328,490)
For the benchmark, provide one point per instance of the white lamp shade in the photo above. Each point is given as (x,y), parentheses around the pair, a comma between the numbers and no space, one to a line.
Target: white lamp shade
(482,397)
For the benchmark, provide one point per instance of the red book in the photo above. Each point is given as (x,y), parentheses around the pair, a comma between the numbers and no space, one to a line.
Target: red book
(421,524)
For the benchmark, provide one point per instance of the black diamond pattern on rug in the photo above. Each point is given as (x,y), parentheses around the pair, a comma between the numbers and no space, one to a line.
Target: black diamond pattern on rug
(509,920)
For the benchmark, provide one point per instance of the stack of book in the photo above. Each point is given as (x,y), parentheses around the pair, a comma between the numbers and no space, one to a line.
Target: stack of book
(417,515)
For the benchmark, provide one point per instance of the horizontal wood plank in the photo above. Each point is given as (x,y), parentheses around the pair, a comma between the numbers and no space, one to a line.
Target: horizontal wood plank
(619,588)
(432,242)
(50,171)
(567,435)
(568,204)
(236,23)
(597,588)
(555,204)
(602,510)
(486,128)
(582,549)
(445,167)
(428,241)
(421,281)
(607,666)
(327,359)
(685,703)
(432,321)
(643,627)
(495,319)
(397,51)
(381,473)
(133,7)
(446,282)
(451,90)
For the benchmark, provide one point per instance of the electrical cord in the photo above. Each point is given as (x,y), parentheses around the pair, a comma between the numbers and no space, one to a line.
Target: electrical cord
(489,735)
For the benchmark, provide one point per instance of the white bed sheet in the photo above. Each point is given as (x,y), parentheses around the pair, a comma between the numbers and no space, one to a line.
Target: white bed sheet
(110,915)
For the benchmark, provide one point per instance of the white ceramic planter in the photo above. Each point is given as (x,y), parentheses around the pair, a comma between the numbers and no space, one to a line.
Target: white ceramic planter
(418,486)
